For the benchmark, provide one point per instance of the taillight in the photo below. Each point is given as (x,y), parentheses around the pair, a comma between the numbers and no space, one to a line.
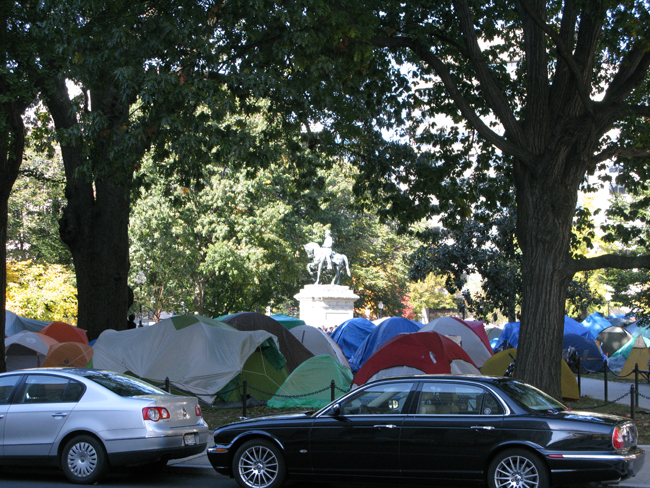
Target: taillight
(617,439)
(197,410)
(155,413)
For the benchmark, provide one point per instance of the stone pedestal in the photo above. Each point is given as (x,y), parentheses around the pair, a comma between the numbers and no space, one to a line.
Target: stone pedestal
(326,305)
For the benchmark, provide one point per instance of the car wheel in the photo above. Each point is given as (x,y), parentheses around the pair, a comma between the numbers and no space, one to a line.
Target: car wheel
(259,463)
(84,460)
(517,468)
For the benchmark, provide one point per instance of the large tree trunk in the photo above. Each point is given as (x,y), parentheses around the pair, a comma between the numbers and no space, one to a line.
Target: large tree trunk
(95,222)
(12,147)
(545,207)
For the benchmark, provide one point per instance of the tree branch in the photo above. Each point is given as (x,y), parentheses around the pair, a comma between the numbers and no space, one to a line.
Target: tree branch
(493,93)
(632,71)
(563,51)
(464,106)
(621,152)
(610,261)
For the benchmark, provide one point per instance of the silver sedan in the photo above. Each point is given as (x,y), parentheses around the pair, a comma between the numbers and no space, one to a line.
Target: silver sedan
(86,420)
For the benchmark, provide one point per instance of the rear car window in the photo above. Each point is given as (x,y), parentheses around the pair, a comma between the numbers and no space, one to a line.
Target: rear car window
(123,385)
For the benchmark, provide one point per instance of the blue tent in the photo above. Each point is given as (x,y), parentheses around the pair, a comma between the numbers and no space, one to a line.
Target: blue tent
(596,323)
(382,333)
(589,351)
(351,334)
(15,323)
(510,333)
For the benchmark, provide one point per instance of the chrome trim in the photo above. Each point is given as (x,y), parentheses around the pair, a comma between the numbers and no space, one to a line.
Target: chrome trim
(604,457)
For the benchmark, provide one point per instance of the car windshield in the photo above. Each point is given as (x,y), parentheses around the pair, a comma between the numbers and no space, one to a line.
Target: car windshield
(531,398)
(122,385)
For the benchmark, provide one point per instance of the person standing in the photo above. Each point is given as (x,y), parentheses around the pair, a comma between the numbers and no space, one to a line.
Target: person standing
(327,248)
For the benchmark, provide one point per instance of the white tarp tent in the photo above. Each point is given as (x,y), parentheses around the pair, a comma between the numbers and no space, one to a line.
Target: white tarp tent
(15,323)
(198,355)
(470,341)
(318,342)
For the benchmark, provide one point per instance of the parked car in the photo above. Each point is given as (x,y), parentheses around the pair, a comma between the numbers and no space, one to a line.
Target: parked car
(86,420)
(461,428)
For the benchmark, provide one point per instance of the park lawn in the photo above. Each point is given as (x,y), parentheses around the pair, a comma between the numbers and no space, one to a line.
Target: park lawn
(220,416)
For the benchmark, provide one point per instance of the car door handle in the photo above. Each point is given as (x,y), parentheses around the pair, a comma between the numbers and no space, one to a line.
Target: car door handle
(60,414)
(484,427)
(2,416)
(388,426)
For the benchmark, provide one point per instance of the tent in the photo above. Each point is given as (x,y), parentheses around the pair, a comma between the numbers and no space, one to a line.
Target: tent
(618,359)
(498,364)
(27,350)
(288,321)
(493,332)
(474,340)
(62,332)
(596,323)
(379,335)
(198,355)
(410,354)
(15,323)
(510,336)
(351,334)
(318,342)
(588,350)
(290,347)
(612,339)
(313,376)
(639,354)
(68,354)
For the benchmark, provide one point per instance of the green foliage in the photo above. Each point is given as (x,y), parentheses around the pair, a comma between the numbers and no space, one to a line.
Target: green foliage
(42,292)
(431,293)
(35,207)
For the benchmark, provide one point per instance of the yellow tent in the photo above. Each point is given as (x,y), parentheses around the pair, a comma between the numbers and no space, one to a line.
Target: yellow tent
(498,364)
(640,354)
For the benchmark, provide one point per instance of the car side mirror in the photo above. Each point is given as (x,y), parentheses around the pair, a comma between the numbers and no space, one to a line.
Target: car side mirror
(335,411)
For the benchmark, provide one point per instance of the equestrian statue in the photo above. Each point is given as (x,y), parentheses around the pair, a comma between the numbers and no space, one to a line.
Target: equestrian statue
(324,254)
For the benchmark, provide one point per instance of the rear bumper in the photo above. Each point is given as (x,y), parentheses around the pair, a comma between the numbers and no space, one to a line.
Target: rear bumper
(140,451)
(588,467)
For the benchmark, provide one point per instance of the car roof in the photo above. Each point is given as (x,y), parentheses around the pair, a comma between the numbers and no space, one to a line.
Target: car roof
(491,380)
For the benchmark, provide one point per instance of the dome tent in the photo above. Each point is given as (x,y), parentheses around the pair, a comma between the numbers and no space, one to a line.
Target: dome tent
(318,342)
(474,341)
(15,323)
(27,350)
(351,334)
(198,355)
(380,335)
(313,376)
(498,364)
(410,354)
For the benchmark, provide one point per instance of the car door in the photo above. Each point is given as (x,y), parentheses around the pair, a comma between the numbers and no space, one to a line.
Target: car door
(7,386)
(452,430)
(363,440)
(38,413)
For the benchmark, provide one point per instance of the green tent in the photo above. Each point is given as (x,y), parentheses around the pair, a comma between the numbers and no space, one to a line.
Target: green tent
(315,376)
(287,321)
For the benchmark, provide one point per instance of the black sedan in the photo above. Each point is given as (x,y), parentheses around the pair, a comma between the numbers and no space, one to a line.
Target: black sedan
(468,428)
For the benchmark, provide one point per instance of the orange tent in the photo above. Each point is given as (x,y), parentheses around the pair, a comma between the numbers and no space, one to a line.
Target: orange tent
(63,332)
(68,354)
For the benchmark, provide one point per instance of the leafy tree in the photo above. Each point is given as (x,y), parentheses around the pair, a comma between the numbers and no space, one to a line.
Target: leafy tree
(42,292)
(35,207)
(430,293)
(532,87)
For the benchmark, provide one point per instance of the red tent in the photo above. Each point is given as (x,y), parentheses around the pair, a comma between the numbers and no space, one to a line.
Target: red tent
(63,332)
(419,353)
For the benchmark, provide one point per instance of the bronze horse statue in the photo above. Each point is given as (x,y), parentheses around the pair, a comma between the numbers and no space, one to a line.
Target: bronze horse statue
(318,256)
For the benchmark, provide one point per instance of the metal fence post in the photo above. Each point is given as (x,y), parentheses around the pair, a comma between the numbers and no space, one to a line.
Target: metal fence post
(167,386)
(636,383)
(243,397)
(333,387)
(632,395)
(579,378)
(605,383)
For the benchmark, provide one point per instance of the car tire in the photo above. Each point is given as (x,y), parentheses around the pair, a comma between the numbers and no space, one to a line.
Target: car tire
(517,468)
(84,460)
(259,463)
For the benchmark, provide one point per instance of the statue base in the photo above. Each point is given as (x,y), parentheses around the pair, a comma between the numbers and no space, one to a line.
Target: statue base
(326,305)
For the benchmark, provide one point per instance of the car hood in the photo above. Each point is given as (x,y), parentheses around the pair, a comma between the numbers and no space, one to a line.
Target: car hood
(272,417)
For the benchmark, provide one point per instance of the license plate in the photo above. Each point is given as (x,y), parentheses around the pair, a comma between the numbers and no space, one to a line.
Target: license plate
(189,440)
